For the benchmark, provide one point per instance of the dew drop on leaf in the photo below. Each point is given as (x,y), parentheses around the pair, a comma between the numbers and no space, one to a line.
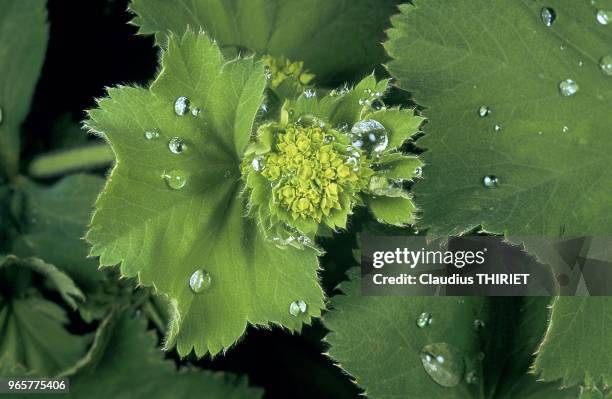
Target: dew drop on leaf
(443,363)
(568,87)
(418,171)
(370,135)
(490,181)
(176,145)
(498,128)
(196,112)
(258,163)
(151,134)
(565,129)
(181,106)
(424,320)
(484,111)
(364,101)
(605,64)
(297,308)
(479,325)
(175,179)
(471,377)
(604,17)
(310,93)
(199,281)
(548,16)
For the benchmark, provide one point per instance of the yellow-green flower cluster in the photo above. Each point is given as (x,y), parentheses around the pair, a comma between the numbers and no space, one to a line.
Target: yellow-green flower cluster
(312,174)
(281,69)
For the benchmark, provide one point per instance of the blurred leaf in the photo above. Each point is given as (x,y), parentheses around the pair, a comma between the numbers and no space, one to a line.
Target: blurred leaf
(336,39)
(23,41)
(126,363)
(33,336)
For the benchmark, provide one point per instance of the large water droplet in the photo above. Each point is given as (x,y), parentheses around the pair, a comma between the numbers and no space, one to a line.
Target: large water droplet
(604,17)
(297,308)
(181,106)
(424,320)
(443,363)
(605,64)
(151,134)
(258,163)
(175,179)
(548,16)
(568,87)
(484,111)
(199,281)
(490,181)
(176,145)
(370,136)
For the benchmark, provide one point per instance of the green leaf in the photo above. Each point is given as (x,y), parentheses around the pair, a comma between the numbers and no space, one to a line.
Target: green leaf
(577,346)
(125,363)
(378,341)
(53,223)
(459,56)
(23,41)
(397,211)
(33,336)
(165,235)
(551,180)
(336,39)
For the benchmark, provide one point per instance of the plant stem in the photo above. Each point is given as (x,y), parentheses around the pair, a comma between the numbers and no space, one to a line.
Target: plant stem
(61,163)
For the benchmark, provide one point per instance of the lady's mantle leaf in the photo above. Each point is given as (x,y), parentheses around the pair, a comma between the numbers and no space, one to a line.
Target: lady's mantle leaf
(509,147)
(22,52)
(124,362)
(336,39)
(33,335)
(550,152)
(172,213)
(385,343)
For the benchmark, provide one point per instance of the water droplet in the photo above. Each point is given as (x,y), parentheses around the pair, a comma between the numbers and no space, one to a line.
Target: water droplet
(310,93)
(343,127)
(181,106)
(424,320)
(267,72)
(151,134)
(418,171)
(199,281)
(297,308)
(562,47)
(580,63)
(498,128)
(605,64)
(370,136)
(604,17)
(565,129)
(258,163)
(484,111)
(196,112)
(364,101)
(175,179)
(471,377)
(443,363)
(548,16)
(368,91)
(377,105)
(568,87)
(176,145)
(264,108)
(490,181)
(479,325)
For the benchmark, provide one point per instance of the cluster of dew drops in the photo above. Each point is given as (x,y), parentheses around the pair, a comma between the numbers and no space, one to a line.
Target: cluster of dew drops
(567,87)
(443,362)
(176,179)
